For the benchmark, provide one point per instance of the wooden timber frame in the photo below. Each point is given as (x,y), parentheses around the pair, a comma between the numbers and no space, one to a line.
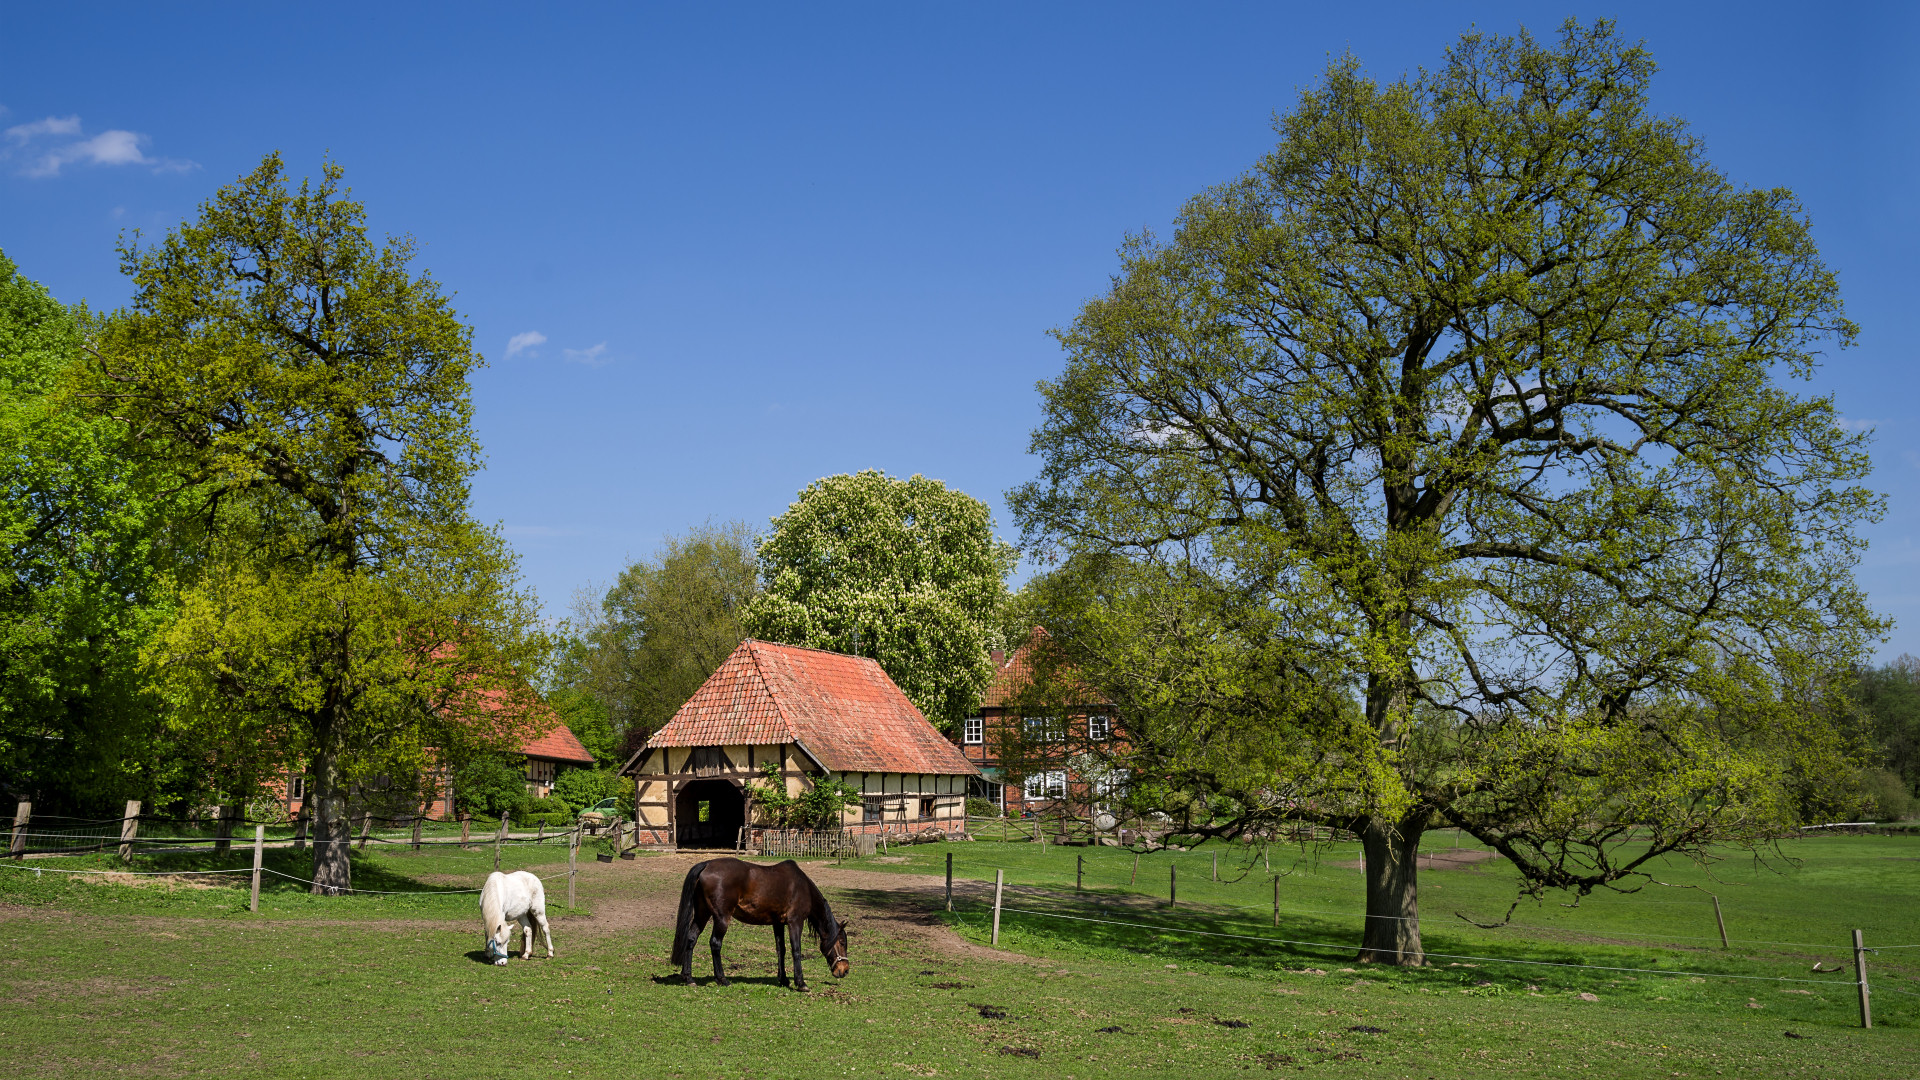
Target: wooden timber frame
(893,802)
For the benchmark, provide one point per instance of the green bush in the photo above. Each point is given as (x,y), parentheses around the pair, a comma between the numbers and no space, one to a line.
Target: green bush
(1887,796)
(981,808)
(582,788)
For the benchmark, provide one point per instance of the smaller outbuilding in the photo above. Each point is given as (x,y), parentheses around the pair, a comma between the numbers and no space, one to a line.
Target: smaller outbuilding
(817,715)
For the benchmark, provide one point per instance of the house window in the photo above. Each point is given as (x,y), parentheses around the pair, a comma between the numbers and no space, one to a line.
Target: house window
(1099,726)
(1047,785)
(926,809)
(1112,785)
(298,788)
(1043,729)
(870,810)
(988,790)
(973,731)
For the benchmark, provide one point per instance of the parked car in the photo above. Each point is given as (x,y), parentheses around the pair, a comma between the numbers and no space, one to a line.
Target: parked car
(600,813)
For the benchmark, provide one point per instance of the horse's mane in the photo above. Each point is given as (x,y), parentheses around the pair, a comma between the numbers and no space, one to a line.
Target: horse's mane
(820,919)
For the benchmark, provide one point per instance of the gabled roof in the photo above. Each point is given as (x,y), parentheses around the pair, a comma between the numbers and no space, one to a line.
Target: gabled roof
(843,710)
(558,744)
(1012,677)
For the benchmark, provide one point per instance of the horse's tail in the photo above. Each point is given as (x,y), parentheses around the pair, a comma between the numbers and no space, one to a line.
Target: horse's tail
(683,926)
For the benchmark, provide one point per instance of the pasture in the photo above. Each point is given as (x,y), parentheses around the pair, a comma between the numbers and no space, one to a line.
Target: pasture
(149,978)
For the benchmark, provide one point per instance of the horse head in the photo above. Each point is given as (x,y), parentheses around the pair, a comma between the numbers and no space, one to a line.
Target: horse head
(834,949)
(496,951)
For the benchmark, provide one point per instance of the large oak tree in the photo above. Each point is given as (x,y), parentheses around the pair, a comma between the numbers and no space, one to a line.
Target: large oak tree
(342,612)
(1468,405)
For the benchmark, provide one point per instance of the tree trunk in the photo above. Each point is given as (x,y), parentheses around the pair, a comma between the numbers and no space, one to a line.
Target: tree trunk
(1392,851)
(332,866)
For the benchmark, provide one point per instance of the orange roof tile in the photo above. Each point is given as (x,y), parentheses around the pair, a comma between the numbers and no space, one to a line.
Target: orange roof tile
(558,744)
(842,709)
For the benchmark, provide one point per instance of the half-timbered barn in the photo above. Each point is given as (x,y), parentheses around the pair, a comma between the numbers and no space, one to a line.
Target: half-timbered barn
(816,715)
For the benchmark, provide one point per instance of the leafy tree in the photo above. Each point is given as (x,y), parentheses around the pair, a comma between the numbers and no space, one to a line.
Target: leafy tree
(819,804)
(343,610)
(1442,465)
(1889,698)
(904,572)
(641,651)
(84,556)
(492,784)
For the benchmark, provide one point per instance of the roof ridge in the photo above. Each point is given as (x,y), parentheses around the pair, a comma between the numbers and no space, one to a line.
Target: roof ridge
(807,648)
(779,706)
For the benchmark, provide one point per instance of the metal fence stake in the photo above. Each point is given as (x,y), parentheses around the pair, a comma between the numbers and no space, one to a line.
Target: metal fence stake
(1079,870)
(259,849)
(1173,883)
(1276,901)
(949,881)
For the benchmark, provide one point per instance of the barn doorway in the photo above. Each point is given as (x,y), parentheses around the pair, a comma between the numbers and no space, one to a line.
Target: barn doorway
(708,814)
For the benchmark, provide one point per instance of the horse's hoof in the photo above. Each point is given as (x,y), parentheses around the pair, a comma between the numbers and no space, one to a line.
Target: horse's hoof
(502,962)
(802,989)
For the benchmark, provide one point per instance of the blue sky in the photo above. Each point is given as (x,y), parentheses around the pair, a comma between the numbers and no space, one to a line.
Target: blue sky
(744,247)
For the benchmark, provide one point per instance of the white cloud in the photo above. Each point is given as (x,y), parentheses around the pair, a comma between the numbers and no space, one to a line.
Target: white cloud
(52,125)
(520,343)
(41,144)
(596,356)
(1847,424)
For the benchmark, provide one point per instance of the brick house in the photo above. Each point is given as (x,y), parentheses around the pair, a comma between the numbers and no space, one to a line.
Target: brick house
(543,758)
(1055,771)
(816,715)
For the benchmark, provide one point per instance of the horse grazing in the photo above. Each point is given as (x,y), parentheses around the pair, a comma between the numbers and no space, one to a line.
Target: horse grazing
(727,889)
(507,900)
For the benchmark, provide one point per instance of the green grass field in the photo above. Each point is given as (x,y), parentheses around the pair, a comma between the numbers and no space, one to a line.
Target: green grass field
(180,980)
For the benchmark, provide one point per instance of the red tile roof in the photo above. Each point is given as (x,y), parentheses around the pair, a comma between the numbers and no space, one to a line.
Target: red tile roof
(843,709)
(558,744)
(1016,671)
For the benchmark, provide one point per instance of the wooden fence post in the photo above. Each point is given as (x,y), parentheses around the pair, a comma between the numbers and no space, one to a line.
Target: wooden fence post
(499,840)
(1860,969)
(1173,883)
(466,822)
(222,830)
(573,856)
(416,832)
(259,849)
(949,881)
(129,828)
(999,882)
(22,814)
(1216,866)
(541,836)
(1079,871)
(366,827)
(1135,876)
(1721,920)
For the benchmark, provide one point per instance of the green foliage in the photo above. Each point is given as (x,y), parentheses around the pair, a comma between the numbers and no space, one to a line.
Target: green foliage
(819,805)
(1889,698)
(1466,404)
(640,651)
(1886,795)
(84,558)
(491,784)
(982,808)
(582,788)
(342,608)
(905,572)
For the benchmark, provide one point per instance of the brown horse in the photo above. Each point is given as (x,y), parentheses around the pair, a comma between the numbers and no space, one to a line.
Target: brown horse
(727,889)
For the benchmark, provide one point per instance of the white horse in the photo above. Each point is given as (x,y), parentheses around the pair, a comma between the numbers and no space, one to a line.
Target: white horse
(507,900)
